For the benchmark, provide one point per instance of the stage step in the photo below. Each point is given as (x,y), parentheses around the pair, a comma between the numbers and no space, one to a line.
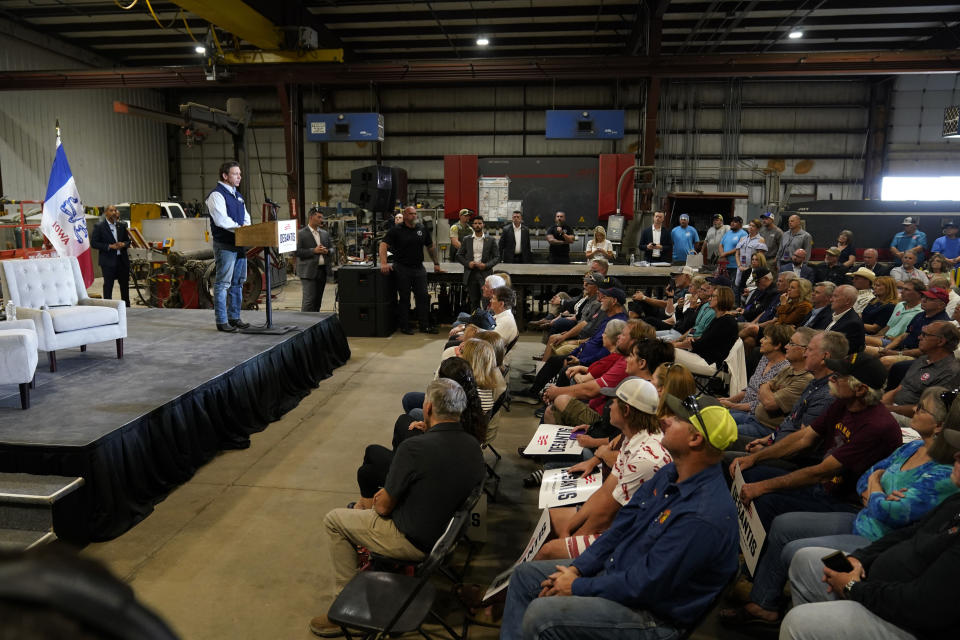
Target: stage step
(26,507)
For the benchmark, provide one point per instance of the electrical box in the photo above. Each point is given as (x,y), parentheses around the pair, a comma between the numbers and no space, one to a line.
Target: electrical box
(585,125)
(344,127)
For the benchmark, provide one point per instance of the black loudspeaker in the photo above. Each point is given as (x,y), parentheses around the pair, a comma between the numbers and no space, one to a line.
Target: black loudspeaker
(365,285)
(377,188)
(368,319)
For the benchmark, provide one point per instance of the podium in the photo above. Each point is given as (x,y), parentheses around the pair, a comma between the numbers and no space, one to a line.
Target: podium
(280,235)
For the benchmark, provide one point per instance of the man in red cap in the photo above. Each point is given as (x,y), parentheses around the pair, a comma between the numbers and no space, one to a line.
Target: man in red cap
(907,345)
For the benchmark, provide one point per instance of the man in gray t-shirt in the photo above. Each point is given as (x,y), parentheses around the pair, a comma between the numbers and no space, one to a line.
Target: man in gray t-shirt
(771,234)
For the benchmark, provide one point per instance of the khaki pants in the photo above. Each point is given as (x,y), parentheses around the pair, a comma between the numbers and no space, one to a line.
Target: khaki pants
(350,528)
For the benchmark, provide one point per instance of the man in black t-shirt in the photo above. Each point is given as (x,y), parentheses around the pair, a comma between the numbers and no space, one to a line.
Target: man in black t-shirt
(560,237)
(407,241)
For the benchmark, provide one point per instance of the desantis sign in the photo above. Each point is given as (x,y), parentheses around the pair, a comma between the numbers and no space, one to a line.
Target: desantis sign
(286,236)
(560,489)
(552,440)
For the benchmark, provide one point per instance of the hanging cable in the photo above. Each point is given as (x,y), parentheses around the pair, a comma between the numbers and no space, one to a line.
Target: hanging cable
(128,7)
(186,25)
(216,40)
(157,20)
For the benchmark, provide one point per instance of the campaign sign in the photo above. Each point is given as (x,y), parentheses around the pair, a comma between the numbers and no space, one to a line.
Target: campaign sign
(286,236)
(560,489)
(551,440)
(752,533)
(540,533)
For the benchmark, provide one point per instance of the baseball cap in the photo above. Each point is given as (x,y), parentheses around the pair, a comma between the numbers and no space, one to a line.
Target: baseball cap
(720,281)
(937,294)
(949,223)
(690,271)
(684,216)
(613,292)
(465,212)
(594,278)
(481,319)
(636,392)
(834,251)
(714,422)
(909,220)
(718,216)
(495,281)
(760,272)
(863,272)
(867,369)
(766,215)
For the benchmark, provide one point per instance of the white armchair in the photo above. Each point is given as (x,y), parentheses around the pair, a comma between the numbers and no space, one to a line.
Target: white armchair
(50,291)
(18,356)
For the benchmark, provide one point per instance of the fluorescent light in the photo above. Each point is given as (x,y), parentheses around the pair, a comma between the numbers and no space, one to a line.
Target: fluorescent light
(200,49)
(482,41)
(794,35)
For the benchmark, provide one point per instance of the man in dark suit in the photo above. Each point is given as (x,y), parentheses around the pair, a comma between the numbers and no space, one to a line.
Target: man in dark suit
(821,315)
(478,254)
(844,319)
(870,257)
(655,241)
(111,239)
(510,250)
(314,256)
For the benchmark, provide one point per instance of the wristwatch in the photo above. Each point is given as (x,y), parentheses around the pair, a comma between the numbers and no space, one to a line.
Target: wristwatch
(847,587)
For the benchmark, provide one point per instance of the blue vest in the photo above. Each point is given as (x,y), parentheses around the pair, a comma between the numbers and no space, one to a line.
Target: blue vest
(235,210)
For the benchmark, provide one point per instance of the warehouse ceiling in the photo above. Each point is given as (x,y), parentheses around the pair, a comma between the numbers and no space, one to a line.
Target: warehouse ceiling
(159,33)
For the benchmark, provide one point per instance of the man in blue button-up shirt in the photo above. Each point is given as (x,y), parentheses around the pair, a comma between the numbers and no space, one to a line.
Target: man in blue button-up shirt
(664,560)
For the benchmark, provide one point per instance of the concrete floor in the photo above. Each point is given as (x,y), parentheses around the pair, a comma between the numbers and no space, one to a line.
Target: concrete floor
(239,551)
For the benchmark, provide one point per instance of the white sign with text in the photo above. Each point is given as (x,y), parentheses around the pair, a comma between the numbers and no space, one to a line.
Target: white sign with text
(540,533)
(553,439)
(752,533)
(560,489)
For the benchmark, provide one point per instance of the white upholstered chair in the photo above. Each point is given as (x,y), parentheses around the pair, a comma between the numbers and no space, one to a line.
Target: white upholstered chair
(18,356)
(50,291)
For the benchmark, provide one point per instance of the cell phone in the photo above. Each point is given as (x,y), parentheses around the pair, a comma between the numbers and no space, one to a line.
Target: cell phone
(574,474)
(837,561)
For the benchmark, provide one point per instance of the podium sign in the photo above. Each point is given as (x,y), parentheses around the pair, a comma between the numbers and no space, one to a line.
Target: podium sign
(281,234)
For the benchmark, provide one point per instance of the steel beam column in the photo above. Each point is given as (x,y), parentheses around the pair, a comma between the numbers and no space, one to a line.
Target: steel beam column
(881,94)
(291,107)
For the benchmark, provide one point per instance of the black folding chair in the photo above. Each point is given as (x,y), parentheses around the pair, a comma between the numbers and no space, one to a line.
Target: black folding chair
(379,603)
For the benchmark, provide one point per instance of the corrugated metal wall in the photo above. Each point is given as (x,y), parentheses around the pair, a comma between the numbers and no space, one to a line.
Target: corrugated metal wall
(915,145)
(114,157)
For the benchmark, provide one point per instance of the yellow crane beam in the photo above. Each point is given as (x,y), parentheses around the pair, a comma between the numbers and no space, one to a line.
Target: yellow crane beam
(238,18)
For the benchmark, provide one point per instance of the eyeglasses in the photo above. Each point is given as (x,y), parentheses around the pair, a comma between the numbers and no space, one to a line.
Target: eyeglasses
(794,344)
(947,397)
(929,335)
(690,404)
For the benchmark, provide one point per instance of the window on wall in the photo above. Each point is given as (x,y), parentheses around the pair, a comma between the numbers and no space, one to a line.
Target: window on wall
(926,188)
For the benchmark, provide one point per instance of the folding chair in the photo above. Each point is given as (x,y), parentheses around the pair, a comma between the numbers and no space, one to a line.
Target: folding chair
(488,445)
(379,603)
(730,374)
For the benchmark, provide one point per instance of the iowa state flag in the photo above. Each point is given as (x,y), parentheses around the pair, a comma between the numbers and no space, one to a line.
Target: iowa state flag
(63,221)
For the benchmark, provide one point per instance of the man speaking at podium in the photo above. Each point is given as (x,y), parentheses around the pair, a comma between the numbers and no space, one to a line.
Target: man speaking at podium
(227,213)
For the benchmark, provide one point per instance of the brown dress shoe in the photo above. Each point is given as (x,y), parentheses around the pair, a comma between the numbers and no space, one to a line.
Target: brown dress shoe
(321,626)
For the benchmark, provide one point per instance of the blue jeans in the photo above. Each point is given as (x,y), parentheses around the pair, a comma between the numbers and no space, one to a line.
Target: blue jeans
(793,531)
(811,498)
(228,290)
(748,426)
(571,617)
(818,615)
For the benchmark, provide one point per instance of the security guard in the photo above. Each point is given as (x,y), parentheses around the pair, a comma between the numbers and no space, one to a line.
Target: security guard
(407,241)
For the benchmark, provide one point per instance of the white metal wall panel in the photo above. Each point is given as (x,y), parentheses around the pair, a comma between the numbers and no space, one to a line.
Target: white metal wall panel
(915,145)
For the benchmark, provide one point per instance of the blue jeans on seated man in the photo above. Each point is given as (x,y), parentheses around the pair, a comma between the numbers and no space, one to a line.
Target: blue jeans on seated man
(810,498)
(791,532)
(668,335)
(231,266)
(572,617)
(818,615)
(748,426)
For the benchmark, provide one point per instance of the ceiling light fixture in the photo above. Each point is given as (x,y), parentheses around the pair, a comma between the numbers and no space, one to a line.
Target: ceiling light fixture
(795,35)
(200,49)
(482,41)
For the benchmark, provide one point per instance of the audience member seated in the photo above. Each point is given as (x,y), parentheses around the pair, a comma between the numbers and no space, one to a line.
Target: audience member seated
(490,283)
(672,379)
(560,307)
(652,310)
(820,315)
(911,293)
(760,298)
(945,281)
(502,301)
(757,261)
(937,265)
(682,317)
(587,319)
(871,259)
(902,587)
(844,319)
(879,310)
(701,356)
(639,455)
(853,434)
(936,365)
(907,345)
(581,401)
(895,492)
(478,321)
(815,398)
(831,270)
(862,280)
(376,458)
(773,360)
(799,266)
(429,479)
(794,307)
(662,563)
(483,362)
(611,308)
(908,270)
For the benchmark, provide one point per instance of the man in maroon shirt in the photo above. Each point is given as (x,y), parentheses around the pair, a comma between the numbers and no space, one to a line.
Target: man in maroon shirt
(856,431)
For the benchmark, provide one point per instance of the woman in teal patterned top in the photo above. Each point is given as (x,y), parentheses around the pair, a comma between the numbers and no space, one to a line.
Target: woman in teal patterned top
(896,491)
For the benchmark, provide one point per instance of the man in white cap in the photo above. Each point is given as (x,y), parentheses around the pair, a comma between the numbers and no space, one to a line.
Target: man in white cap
(910,239)
(863,282)
(684,238)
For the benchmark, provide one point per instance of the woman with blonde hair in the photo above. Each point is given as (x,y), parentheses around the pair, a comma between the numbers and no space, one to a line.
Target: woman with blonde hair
(878,311)
(483,360)
(674,379)
(599,246)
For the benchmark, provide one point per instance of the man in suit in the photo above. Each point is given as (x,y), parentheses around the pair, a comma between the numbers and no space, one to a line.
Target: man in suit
(111,239)
(845,319)
(314,255)
(655,241)
(870,257)
(515,241)
(478,254)
(821,315)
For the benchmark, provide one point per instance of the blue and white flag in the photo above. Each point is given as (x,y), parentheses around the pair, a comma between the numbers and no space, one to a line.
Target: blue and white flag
(63,220)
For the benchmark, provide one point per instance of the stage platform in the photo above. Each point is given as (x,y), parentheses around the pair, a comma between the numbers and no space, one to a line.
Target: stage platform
(136,428)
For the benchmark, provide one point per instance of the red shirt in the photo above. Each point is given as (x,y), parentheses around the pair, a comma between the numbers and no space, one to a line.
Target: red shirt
(612,374)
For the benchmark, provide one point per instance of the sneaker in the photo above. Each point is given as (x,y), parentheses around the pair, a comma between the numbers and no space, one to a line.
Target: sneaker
(321,626)
(539,412)
(531,481)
